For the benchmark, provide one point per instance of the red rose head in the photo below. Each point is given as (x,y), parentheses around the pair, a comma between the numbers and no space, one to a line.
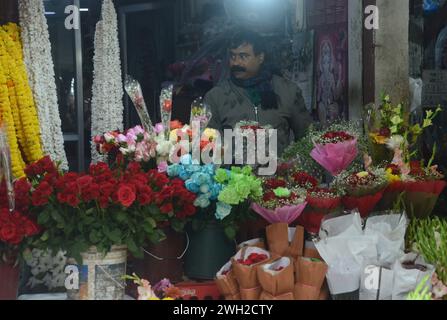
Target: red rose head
(126,195)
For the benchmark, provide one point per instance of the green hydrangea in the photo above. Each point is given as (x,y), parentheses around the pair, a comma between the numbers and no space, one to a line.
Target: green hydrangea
(221,176)
(229,196)
(242,184)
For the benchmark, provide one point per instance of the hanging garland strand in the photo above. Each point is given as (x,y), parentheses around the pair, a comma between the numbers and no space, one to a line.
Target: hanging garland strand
(107,90)
(40,67)
(18,111)
(6,116)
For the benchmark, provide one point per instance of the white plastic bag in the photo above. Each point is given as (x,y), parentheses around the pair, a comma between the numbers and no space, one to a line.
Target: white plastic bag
(343,277)
(376,283)
(389,234)
(344,225)
(415,94)
(407,279)
(345,257)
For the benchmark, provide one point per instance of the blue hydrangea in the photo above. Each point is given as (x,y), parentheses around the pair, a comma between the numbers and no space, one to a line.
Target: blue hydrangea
(183,174)
(216,188)
(209,169)
(192,186)
(186,159)
(192,168)
(202,201)
(205,188)
(222,210)
(201,178)
(174,170)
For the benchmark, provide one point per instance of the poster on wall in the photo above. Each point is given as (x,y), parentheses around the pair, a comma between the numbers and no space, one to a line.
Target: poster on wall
(301,72)
(331,68)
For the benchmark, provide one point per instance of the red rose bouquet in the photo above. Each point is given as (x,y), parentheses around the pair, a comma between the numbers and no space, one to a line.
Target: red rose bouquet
(335,150)
(420,187)
(320,202)
(16,226)
(363,189)
(281,205)
(302,179)
(244,265)
(104,207)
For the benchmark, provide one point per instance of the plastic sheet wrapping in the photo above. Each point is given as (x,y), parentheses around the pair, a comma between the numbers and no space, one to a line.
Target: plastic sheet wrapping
(135,93)
(5,167)
(166,109)
(388,231)
(335,157)
(200,112)
(409,271)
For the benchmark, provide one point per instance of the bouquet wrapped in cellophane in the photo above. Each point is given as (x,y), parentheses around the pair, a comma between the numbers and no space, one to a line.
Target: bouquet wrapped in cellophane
(320,202)
(335,150)
(363,190)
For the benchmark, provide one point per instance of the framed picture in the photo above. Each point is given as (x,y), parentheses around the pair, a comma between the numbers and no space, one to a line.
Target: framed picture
(331,69)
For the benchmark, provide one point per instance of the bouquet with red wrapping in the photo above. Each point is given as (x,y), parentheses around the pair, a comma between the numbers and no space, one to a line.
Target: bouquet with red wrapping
(420,187)
(320,202)
(363,190)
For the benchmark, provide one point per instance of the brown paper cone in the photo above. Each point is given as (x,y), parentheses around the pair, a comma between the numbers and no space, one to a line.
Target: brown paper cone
(311,253)
(304,292)
(227,284)
(258,244)
(297,246)
(247,276)
(310,273)
(324,292)
(267,296)
(278,238)
(233,297)
(280,283)
(251,294)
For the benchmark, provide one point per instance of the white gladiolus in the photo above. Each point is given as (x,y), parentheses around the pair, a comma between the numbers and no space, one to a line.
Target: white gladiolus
(40,70)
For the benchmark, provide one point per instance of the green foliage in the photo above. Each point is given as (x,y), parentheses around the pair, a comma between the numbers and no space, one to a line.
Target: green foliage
(75,230)
(429,238)
(422,291)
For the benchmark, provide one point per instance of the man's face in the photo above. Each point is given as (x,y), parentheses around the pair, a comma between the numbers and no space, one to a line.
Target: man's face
(244,63)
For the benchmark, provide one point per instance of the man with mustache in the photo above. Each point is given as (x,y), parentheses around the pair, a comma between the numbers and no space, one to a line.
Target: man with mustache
(254,93)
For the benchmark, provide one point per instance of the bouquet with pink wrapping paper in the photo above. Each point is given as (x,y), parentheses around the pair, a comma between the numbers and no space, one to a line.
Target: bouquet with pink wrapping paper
(335,151)
(281,205)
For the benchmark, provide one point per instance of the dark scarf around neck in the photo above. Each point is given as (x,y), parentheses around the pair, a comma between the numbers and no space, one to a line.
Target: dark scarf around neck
(259,89)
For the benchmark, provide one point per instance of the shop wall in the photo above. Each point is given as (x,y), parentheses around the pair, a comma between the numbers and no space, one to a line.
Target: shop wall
(8,11)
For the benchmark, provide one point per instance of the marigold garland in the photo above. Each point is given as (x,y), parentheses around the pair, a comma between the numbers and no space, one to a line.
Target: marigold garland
(17,107)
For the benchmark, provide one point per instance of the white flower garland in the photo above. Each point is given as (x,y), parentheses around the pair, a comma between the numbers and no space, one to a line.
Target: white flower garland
(107,91)
(40,69)
(46,269)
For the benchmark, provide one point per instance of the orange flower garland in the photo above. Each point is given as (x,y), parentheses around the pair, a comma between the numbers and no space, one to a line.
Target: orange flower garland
(17,107)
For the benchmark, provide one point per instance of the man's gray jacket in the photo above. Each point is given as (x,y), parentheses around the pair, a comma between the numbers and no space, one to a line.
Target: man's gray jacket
(231,104)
